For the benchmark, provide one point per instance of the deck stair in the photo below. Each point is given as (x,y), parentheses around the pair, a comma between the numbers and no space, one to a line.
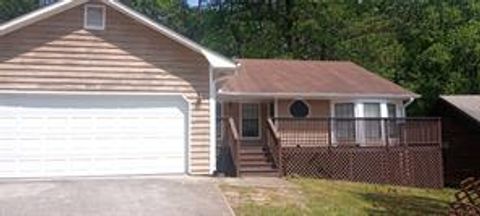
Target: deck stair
(256,161)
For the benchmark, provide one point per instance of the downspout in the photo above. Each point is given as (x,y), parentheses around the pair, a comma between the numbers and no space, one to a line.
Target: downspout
(405,105)
(410,101)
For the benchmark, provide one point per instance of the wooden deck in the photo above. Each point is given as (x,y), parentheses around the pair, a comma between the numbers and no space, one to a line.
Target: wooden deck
(402,151)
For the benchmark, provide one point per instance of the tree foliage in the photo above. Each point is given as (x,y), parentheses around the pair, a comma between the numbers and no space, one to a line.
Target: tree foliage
(428,46)
(10,9)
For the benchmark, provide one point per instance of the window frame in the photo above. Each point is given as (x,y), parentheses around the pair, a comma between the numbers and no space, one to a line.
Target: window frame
(346,102)
(104,17)
(359,113)
(372,122)
(375,104)
(259,121)
(393,121)
(309,113)
(395,110)
(334,124)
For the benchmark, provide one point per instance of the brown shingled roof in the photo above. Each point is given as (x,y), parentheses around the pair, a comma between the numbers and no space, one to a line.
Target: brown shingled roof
(303,78)
(469,104)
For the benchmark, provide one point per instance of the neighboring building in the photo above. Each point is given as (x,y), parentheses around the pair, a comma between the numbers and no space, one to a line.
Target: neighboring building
(461,136)
(95,88)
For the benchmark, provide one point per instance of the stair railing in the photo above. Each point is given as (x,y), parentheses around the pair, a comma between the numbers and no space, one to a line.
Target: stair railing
(274,146)
(233,141)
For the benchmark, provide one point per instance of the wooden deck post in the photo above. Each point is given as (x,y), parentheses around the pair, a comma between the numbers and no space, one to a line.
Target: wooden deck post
(329,126)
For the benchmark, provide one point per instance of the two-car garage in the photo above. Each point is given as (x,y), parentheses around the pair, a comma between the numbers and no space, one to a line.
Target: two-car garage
(45,135)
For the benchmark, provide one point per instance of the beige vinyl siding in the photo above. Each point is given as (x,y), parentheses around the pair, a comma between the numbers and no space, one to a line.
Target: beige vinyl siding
(293,130)
(58,54)
(318,108)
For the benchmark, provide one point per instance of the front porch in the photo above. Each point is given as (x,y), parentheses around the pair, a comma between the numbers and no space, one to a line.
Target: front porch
(388,149)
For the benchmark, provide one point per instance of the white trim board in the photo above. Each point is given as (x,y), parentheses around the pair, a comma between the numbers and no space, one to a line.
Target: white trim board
(310,95)
(213,120)
(216,60)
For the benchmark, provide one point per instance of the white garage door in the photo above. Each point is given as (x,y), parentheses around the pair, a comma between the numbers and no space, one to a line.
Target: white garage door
(75,135)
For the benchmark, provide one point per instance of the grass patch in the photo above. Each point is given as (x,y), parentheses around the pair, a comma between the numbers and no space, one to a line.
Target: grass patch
(325,197)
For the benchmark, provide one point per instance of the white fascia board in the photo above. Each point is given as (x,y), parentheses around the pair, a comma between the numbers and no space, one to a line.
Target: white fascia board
(308,95)
(216,60)
(38,15)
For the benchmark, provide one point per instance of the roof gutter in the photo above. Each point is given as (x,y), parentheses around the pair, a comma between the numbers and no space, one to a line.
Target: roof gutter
(315,95)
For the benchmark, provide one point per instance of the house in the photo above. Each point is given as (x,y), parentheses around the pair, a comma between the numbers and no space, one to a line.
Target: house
(94,88)
(333,119)
(461,136)
(91,87)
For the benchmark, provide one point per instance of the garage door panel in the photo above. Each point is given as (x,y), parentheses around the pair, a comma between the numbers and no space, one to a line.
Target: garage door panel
(47,135)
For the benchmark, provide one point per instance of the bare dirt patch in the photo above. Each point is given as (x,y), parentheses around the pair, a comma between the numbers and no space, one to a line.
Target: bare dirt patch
(262,192)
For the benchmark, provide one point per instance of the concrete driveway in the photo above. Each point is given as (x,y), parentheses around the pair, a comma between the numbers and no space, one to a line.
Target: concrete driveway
(180,195)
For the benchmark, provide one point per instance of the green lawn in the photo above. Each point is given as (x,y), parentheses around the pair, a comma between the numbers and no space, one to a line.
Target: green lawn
(324,197)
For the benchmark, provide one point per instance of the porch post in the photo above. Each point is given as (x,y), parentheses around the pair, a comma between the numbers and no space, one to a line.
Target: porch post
(386,122)
(329,140)
(212,114)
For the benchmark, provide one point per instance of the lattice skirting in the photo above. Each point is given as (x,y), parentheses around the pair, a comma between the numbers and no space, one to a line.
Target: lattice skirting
(412,166)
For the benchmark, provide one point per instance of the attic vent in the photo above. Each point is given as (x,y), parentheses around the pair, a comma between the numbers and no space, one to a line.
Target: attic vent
(43,3)
(95,17)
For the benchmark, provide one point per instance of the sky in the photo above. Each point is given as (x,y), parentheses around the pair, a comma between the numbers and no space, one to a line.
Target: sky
(192,2)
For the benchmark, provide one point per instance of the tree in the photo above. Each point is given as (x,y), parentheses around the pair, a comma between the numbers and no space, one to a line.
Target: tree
(430,47)
(10,9)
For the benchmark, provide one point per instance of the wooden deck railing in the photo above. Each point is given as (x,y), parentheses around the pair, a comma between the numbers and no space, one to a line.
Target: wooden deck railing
(344,132)
(273,145)
(233,142)
(400,151)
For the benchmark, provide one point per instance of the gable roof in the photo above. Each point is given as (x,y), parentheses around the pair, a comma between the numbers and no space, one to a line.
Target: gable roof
(468,104)
(216,60)
(297,78)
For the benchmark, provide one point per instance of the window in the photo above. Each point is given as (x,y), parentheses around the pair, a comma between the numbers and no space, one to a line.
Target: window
(345,124)
(373,123)
(219,113)
(392,127)
(392,110)
(345,110)
(299,109)
(95,17)
(250,121)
